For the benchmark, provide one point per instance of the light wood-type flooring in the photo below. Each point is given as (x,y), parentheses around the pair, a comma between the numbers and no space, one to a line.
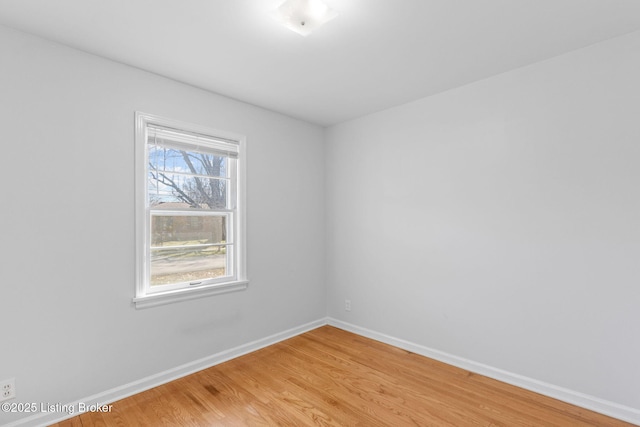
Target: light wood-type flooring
(330,377)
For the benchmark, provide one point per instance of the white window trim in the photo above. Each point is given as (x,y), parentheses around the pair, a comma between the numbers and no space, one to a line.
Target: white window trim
(142,298)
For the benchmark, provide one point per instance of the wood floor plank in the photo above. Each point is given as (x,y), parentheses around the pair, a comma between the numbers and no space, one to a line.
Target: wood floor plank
(403,381)
(302,382)
(276,372)
(348,382)
(458,383)
(71,422)
(330,377)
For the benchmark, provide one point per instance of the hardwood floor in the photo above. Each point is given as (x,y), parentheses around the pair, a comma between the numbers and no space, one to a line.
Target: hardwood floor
(329,377)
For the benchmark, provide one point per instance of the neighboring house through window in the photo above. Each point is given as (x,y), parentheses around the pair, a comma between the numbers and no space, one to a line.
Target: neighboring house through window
(189,211)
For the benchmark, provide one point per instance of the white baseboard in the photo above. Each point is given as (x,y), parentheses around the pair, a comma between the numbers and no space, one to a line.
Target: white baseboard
(118,393)
(612,409)
(595,404)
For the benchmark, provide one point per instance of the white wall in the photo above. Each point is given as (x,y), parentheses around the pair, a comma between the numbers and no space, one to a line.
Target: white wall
(67,263)
(500,222)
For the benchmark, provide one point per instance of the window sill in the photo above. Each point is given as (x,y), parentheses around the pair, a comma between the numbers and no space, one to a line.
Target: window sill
(187,294)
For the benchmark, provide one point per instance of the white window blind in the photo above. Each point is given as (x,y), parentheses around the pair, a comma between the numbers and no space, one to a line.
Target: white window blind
(190,141)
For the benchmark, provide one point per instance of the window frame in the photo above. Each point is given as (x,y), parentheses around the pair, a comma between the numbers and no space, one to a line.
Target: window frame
(146,297)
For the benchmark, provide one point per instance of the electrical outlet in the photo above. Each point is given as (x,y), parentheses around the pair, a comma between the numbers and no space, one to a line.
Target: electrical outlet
(7,389)
(347,305)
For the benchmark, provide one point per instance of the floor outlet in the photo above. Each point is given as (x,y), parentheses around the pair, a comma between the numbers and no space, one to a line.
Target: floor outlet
(7,389)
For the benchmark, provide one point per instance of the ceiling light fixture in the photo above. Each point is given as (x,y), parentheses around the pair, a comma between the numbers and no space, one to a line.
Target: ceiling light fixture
(304,16)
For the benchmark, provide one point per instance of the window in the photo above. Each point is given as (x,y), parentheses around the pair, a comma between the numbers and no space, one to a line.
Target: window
(189,211)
